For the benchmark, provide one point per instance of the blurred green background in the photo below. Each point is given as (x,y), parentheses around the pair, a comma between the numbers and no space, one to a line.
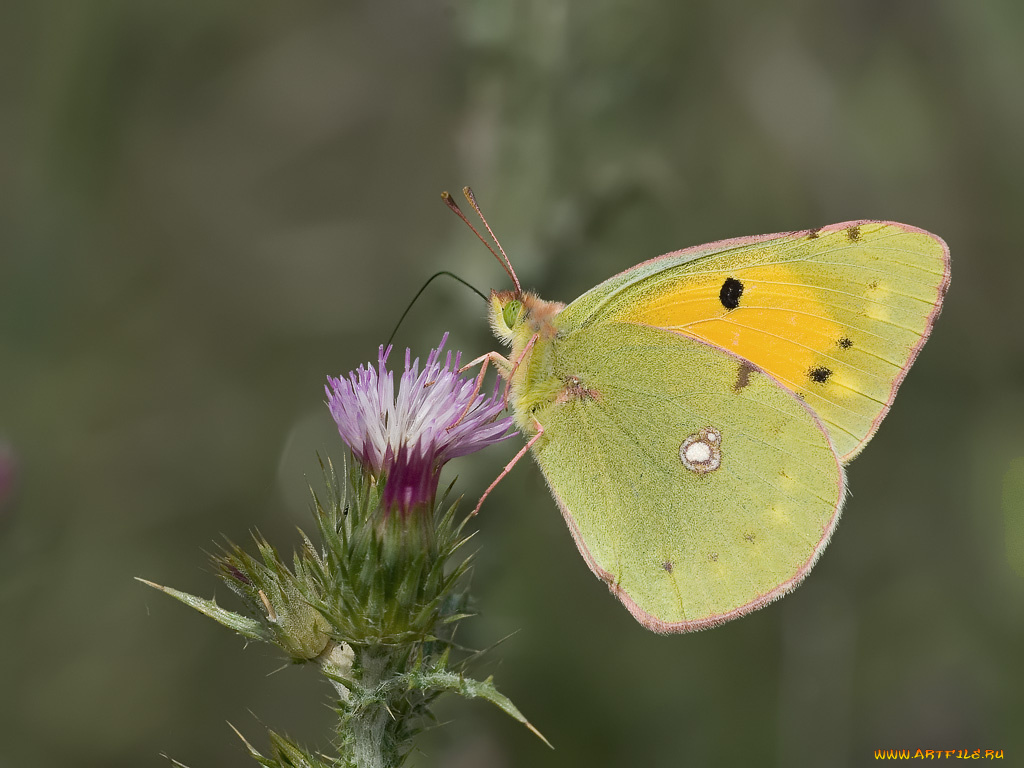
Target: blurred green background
(207,207)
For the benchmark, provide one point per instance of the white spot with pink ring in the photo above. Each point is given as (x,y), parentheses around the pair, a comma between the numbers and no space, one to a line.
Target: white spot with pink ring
(701,452)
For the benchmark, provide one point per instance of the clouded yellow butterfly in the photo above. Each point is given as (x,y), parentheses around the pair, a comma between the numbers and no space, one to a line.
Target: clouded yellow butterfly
(692,415)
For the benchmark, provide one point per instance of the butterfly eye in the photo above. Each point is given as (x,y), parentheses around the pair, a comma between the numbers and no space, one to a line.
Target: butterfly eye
(510,313)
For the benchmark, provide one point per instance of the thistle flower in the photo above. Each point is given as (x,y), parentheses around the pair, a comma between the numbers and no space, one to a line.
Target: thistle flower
(438,415)
(375,598)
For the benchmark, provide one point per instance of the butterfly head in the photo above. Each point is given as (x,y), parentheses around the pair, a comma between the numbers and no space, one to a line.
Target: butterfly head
(517,316)
(507,313)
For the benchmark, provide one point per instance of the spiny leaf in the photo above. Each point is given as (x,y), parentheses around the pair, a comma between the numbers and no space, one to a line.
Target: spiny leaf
(242,625)
(484,689)
(285,753)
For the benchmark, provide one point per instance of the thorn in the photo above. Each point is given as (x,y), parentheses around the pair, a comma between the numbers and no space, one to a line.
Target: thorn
(266,604)
(249,746)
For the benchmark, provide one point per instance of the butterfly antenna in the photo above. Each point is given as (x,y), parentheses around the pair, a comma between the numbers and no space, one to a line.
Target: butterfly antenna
(422,289)
(508,264)
(458,212)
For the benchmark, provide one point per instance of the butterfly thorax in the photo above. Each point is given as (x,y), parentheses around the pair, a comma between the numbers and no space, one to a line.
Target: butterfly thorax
(516,319)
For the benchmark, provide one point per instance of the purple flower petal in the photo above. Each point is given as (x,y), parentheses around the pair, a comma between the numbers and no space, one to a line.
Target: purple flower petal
(410,437)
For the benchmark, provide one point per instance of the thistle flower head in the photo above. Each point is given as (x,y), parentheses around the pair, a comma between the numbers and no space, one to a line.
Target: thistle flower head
(437,415)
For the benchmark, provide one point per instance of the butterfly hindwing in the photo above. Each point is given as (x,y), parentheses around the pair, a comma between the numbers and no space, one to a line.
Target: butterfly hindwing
(695,499)
(837,314)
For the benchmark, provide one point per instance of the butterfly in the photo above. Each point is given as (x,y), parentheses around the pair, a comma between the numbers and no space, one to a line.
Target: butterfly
(693,415)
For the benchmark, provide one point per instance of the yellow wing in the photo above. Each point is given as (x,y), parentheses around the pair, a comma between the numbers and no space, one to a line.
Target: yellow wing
(836,314)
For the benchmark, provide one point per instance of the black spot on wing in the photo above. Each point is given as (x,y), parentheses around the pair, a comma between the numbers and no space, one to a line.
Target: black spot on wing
(667,565)
(845,343)
(853,233)
(819,375)
(732,290)
(813,234)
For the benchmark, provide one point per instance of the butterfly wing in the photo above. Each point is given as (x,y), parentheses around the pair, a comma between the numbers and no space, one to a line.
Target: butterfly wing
(695,500)
(836,314)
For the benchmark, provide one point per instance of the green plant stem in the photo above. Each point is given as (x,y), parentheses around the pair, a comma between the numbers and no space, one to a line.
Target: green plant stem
(368,727)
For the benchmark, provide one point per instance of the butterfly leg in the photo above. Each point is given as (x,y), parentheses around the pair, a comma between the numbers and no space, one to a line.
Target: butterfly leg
(501,363)
(508,467)
(506,368)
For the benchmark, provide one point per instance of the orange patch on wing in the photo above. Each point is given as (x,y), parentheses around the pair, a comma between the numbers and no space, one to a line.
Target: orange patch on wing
(777,323)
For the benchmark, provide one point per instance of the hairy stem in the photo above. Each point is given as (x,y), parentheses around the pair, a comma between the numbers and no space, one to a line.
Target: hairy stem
(368,727)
